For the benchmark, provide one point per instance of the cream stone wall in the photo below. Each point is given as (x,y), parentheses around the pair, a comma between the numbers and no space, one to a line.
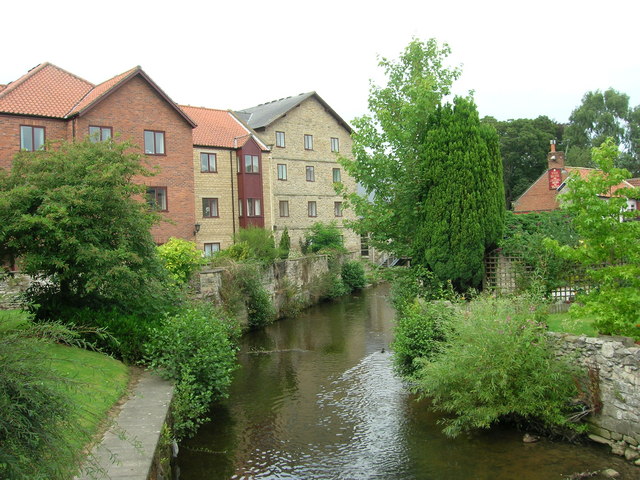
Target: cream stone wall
(309,118)
(216,185)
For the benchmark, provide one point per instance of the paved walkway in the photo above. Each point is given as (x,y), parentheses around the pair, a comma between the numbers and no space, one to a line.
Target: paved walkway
(127,448)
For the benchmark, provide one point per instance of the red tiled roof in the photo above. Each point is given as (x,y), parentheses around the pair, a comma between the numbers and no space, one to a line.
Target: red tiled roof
(216,128)
(45,90)
(634,181)
(100,90)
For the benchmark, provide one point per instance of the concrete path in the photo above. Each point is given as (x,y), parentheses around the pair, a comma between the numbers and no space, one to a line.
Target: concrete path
(126,451)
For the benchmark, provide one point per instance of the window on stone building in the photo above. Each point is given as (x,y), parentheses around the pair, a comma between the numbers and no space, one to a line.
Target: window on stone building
(31,138)
(308,142)
(210,207)
(154,142)
(157,198)
(253,207)
(311,174)
(211,248)
(337,209)
(335,144)
(251,164)
(336,175)
(100,134)
(208,163)
(364,245)
(282,171)
(312,209)
(284,208)
(279,139)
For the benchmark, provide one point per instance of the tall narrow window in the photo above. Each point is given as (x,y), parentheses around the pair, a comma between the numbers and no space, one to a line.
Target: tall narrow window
(100,134)
(279,139)
(240,209)
(311,174)
(208,163)
(312,209)
(335,144)
(337,209)
(211,249)
(282,171)
(253,207)
(364,245)
(210,207)
(336,175)
(157,198)
(251,164)
(31,138)
(284,208)
(153,142)
(308,142)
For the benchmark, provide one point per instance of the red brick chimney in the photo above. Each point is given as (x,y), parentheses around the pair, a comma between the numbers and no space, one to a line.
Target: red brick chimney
(555,161)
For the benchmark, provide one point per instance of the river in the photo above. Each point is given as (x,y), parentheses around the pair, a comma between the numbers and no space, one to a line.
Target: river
(316,398)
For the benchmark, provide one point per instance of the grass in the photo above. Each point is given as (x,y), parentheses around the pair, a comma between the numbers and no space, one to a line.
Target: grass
(94,383)
(565,323)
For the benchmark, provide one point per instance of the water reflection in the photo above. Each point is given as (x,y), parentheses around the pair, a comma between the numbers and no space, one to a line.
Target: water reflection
(316,398)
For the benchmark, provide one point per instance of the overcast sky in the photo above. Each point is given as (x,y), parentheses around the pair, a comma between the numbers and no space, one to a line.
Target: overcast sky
(522,59)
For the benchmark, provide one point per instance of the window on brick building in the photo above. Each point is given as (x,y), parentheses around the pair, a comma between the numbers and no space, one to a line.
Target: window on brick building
(211,249)
(279,139)
(336,175)
(157,198)
(210,207)
(308,142)
(284,208)
(153,142)
(312,209)
(282,171)
(337,209)
(335,144)
(31,138)
(251,164)
(253,207)
(99,134)
(208,163)
(311,174)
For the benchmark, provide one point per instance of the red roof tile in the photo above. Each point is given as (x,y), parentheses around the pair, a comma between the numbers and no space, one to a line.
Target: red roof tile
(101,90)
(216,128)
(45,90)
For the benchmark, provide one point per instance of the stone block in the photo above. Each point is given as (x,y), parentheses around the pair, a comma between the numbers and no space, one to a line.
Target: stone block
(599,439)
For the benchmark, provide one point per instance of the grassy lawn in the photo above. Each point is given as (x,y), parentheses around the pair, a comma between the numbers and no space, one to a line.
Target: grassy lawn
(95,383)
(563,322)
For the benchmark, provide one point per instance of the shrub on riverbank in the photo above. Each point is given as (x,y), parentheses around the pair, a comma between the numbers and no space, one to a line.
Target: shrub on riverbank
(196,349)
(353,275)
(497,365)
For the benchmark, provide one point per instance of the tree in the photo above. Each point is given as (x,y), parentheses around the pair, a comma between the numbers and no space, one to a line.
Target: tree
(285,244)
(524,144)
(608,249)
(603,115)
(73,216)
(431,172)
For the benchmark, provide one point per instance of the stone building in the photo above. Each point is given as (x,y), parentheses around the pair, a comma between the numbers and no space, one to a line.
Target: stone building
(306,137)
(230,187)
(49,103)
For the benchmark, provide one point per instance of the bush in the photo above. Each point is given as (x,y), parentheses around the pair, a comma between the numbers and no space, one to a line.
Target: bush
(498,365)
(36,405)
(353,275)
(181,258)
(260,243)
(285,244)
(417,282)
(421,332)
(196,349)
(324,237)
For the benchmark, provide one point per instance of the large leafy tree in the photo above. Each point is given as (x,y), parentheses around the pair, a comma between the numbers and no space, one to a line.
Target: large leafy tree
(74,217)
(431,172)
(524,144)
(603,115)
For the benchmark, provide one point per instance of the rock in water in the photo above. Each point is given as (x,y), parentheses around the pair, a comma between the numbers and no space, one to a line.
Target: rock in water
(610,473)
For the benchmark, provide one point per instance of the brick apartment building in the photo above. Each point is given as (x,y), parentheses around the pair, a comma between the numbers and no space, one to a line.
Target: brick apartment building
(49,103)
(231,190)
(305,136)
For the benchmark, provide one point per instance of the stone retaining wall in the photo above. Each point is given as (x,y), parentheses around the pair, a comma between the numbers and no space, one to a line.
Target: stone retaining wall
(12,285)
(615,363)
